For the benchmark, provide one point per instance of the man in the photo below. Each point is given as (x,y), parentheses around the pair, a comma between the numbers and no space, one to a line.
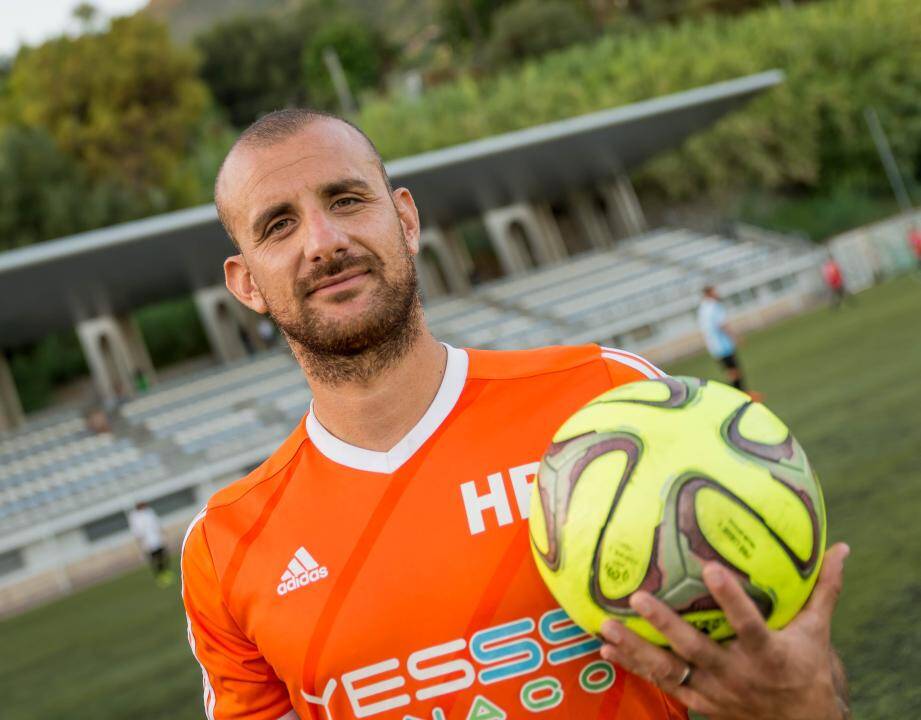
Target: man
(721,344)
(914,243)
(834,280)
(145,527)
(377,565)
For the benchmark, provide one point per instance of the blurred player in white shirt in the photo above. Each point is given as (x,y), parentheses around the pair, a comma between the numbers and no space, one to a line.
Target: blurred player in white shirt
(721,341)
(146,529)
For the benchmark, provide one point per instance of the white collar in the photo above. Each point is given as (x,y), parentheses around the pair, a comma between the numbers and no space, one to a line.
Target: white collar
(388,462)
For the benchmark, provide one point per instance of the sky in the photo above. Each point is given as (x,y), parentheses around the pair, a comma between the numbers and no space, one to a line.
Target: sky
(31,21)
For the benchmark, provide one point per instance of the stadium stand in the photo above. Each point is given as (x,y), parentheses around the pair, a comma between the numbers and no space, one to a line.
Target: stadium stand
(63,485)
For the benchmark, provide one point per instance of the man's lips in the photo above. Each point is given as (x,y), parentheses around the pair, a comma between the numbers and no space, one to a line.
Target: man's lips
(341,281)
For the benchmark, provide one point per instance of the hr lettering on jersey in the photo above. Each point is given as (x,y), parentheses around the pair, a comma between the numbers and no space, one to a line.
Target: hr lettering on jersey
(493,501)
(522,650)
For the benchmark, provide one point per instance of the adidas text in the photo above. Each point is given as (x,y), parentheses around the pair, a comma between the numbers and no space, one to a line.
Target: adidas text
(302,570)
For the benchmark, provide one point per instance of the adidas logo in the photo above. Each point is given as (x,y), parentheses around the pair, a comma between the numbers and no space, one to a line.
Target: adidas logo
(302,570)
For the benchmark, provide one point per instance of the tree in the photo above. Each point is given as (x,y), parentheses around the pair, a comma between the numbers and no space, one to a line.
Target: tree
(468,19)
(253,66)
(528,28)
(362,50)
(45,194)
(125,102)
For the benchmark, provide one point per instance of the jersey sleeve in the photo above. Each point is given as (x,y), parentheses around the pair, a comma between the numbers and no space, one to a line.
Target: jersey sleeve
(238,682)
(626,367)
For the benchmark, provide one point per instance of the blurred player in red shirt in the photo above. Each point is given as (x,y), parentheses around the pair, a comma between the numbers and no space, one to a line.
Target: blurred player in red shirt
(377,565)
(834,280)
(914,243)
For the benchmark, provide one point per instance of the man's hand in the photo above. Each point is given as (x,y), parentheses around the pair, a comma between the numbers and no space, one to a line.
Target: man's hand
(762,674)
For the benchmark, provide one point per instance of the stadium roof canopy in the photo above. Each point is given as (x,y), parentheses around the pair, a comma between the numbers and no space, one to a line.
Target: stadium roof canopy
(52,285)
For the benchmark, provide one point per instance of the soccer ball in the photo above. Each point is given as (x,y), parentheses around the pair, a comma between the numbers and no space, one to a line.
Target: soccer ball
(647,482)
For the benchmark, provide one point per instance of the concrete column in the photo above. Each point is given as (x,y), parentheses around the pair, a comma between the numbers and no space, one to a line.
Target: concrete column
(452,267)
(624,207)
(461,253)
(11,414)
(228,328)
(137,348)
(553,247)
(589,219)
(114,351)
(546,245)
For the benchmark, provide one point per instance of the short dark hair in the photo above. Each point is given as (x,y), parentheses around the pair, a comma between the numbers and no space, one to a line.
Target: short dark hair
(278,126)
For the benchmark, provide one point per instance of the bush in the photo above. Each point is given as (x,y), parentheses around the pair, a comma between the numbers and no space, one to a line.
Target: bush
(529,28)
(839,56)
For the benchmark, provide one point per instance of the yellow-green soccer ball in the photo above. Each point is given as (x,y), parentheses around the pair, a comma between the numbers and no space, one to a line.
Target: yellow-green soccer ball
(649,481)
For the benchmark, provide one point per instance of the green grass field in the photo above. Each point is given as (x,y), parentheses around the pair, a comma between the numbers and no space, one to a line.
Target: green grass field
(849,385)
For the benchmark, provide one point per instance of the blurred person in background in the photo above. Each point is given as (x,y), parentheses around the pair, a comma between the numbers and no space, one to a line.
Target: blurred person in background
(721,341)
(148,532)
(914,243)
(834,280)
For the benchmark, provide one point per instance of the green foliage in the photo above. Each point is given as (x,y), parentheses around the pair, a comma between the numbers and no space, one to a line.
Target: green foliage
(125,102)
(467,19)
(46,194)
(55,360)
(839,56)
(362,51)
(528,28)
(172,331)
(252,65)
(188,18)
(817,215)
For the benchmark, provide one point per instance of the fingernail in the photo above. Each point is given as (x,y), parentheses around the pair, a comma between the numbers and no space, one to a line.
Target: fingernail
(847,551)
(607,652)
(641,603)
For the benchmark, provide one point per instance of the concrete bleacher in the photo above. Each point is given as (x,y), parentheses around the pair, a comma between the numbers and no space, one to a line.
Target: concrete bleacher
(183,437)
(569,301)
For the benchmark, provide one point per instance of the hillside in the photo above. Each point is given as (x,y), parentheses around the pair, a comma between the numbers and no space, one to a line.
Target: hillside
(399,19)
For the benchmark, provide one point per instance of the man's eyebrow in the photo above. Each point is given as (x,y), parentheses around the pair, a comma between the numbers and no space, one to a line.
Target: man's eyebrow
(345,185)
(263,218)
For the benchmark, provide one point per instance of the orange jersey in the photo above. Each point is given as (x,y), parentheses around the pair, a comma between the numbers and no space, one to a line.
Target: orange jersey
(336,582)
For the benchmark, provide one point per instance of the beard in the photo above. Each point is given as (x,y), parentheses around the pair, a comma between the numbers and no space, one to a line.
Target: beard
(360,348)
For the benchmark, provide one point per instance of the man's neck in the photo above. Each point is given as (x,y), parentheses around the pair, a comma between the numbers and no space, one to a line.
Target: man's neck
(376,414)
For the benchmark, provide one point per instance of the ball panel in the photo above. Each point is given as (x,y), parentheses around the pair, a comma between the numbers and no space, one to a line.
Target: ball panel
(775,452)
(760,425)
(596,480)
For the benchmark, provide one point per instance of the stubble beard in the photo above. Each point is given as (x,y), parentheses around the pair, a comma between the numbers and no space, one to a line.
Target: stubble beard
(358,350)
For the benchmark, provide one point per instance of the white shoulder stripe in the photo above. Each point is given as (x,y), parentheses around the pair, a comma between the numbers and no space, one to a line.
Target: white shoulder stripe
(636,362)
(192,524)
(208,696)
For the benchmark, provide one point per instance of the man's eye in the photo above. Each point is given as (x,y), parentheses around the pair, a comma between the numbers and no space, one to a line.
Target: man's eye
(345,202)
(279,226)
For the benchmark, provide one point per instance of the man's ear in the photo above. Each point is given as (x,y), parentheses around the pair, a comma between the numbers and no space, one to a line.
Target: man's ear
(409,217)
(240,282)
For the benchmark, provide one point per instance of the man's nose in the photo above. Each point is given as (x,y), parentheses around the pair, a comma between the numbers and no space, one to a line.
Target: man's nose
(323,239)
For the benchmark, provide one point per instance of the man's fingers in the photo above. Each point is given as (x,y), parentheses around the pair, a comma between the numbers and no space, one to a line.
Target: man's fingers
(685,639)
(741,612)
(828,588)
(640,657)
(658,666)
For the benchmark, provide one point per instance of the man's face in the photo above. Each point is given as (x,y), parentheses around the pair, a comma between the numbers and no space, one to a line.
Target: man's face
(327,248)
